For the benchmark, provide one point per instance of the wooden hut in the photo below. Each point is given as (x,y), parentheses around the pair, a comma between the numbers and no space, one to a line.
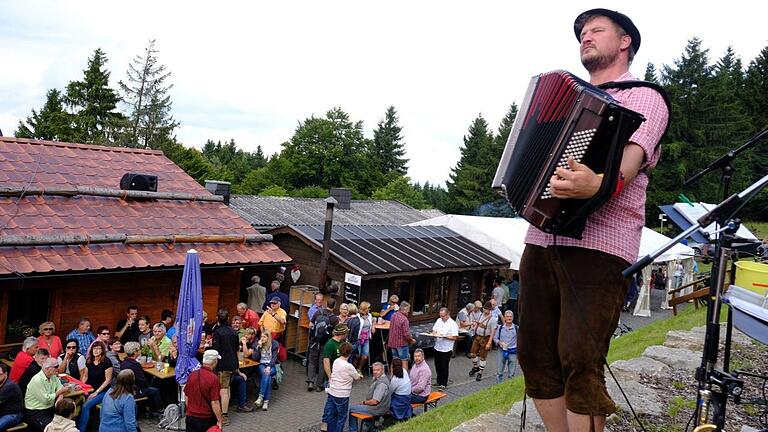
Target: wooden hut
(81,236)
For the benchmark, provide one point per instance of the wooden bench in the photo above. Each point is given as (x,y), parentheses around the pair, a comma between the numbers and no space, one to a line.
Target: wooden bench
(18,427)
(700,289)
(431,401)
(363,418)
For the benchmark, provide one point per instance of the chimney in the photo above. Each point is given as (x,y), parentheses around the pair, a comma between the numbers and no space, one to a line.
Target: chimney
(343,197)
(219,188)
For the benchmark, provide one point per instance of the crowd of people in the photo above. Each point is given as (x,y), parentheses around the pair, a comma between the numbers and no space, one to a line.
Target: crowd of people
(108,368)
(108,365)
(339,347)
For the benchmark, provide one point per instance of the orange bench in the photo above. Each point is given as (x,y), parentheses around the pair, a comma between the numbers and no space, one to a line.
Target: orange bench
(366,418)
(431,401)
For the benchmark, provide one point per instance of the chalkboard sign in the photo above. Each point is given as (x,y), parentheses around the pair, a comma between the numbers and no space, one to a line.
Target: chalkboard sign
(351,294)
(352,286)
(465,291)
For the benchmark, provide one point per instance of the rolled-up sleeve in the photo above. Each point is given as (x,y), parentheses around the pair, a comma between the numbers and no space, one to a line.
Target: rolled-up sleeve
(650,104)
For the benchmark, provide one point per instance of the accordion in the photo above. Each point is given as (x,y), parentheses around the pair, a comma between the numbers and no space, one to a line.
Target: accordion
(562,116)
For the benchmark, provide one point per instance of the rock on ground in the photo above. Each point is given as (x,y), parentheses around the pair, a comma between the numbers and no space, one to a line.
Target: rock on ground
(632,369)
(676,358)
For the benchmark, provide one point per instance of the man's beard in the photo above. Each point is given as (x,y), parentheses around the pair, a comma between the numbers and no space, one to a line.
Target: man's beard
(598,61)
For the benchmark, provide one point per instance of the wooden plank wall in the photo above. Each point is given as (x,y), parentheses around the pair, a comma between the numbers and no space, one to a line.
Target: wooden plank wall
(308,260)
(104,298)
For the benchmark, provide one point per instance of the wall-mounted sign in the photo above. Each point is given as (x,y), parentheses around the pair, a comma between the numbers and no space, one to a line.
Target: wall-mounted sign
(353,279)
(352,284)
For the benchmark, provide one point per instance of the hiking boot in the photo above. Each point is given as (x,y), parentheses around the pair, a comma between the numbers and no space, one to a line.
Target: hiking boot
(259,402)
(474,370)
(245,408)
(319,388)
(479,377)
(265,406)
(310,386)
(226,421)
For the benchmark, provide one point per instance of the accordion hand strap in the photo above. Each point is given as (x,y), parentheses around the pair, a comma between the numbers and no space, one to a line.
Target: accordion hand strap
(623,85)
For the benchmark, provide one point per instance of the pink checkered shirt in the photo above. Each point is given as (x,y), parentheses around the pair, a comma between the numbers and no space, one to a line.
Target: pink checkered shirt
(615,227)
(399,330)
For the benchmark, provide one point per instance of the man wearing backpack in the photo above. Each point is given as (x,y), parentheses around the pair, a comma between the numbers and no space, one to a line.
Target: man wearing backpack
(320,329)
(506,339)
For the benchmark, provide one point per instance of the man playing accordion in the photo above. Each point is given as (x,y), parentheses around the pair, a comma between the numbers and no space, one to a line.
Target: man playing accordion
(571,291)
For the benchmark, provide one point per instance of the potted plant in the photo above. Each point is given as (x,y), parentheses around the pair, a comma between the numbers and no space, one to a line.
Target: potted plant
(19,330)
(146,352)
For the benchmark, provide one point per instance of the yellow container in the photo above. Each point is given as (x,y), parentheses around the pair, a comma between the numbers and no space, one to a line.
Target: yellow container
(752,276)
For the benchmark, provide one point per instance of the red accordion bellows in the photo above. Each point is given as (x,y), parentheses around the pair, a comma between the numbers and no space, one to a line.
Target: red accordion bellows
(562,116)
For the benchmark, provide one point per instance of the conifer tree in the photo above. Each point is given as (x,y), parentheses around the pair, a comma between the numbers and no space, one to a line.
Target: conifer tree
(470,181)
(94,103)
(149,104)
(436,197)
(388,146)
(756,89)
(650,73)
(505,127)
(51,123)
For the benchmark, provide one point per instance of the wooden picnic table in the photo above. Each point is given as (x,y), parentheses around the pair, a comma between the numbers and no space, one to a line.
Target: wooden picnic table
(170,372)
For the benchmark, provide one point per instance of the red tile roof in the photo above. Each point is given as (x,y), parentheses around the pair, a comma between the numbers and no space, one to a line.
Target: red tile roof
(47,164)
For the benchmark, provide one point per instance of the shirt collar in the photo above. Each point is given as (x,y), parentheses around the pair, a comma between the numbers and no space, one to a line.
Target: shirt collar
(626,76)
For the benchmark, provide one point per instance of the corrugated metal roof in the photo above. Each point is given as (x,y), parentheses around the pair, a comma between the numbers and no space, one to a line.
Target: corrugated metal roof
(399,249)
(48,164)
(265,212)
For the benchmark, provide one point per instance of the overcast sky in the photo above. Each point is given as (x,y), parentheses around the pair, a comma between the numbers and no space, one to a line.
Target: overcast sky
(252,70)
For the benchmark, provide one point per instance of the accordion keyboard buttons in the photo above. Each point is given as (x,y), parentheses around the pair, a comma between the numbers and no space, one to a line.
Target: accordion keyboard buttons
(576,148)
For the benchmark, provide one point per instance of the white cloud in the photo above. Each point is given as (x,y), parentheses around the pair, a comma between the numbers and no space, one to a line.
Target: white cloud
(252,70)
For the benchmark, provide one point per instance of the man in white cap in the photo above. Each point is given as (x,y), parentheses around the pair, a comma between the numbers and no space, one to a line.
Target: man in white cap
(203,398)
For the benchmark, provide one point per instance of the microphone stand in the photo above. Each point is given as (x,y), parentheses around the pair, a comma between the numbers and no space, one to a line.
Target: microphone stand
(715,387)
(725,162)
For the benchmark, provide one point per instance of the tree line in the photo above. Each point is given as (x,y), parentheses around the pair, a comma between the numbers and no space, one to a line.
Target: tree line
(715,107)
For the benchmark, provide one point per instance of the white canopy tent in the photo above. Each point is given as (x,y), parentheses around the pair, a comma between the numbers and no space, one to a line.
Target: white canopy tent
(506,237)
(503,236)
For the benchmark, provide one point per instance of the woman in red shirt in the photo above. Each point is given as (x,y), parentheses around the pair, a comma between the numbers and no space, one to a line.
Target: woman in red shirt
(48,340)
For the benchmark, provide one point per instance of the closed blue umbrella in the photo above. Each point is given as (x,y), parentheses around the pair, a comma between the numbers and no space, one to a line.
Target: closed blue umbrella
(189,317)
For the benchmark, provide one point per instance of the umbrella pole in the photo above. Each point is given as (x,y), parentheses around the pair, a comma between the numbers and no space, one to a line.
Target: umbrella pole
(181,424)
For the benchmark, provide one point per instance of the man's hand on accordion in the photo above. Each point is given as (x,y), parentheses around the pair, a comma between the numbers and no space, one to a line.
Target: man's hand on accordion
(579,182)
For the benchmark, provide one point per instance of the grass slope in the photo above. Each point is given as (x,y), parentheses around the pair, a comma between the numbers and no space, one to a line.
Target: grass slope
(499,398)
(759,229)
